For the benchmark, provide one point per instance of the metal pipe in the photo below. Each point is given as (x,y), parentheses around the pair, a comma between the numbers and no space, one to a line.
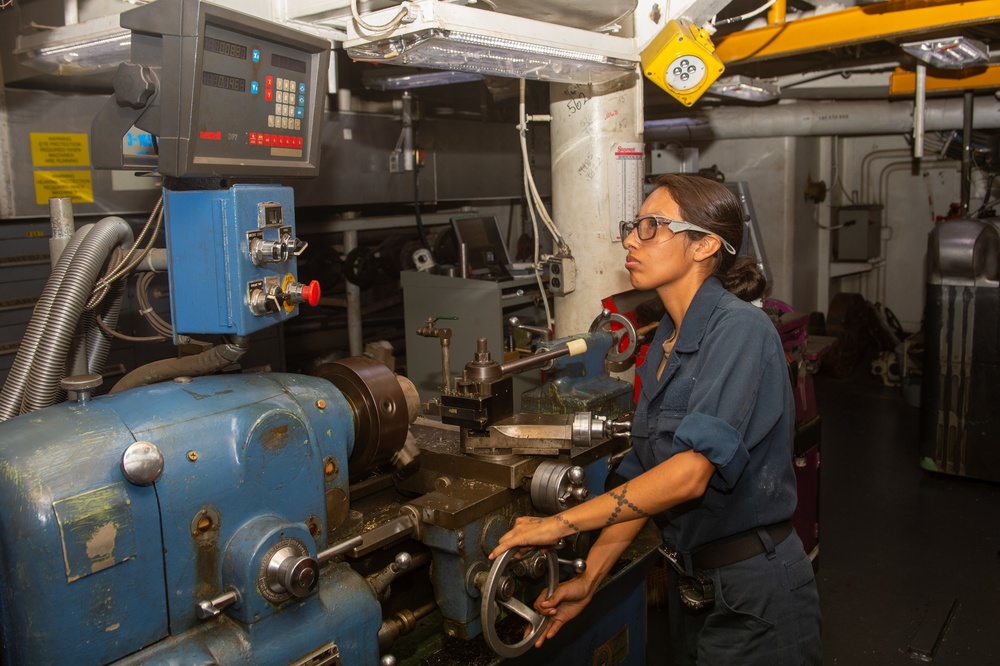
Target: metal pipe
(155,261)
(574,347)
(866,164)
(854,118)
(919,102)
(463,260)
(353,293)
(776,15)
(61,219)
(967,118)
(590,125)
(407,130)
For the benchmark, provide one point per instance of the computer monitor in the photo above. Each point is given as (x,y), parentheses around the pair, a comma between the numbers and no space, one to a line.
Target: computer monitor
(485,249)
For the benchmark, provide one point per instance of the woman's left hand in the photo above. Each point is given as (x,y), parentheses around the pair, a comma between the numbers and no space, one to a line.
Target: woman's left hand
(532,531)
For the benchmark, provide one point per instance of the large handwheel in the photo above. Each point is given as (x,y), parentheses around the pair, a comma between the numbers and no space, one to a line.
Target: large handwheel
(626,333)
(498,590)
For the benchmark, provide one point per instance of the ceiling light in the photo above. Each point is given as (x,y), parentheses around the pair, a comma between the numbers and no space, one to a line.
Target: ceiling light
(405,80)
(949,52)
(745,88)
(447,36)
(83,48)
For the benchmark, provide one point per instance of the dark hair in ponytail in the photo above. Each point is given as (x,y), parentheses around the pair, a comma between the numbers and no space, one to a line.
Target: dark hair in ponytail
(710,205)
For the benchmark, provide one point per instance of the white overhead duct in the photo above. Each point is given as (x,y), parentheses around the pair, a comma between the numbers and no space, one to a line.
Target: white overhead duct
(819,119)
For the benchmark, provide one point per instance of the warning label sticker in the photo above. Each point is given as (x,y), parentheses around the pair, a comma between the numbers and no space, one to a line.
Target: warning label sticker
(76,185)
(59,150)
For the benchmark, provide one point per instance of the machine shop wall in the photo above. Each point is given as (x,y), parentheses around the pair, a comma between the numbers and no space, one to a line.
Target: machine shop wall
(913,198)
(39,172)
(768,166)
(464,161)
(777,171)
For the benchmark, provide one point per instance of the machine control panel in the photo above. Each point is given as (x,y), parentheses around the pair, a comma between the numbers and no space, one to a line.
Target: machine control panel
(224,93)
(232,254)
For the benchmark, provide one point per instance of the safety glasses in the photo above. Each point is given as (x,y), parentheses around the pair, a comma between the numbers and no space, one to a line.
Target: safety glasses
(645,227)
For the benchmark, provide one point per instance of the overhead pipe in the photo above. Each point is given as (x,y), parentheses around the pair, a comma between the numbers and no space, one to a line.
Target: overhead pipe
(776,15)
(854,118)
(967,125)
(919,106)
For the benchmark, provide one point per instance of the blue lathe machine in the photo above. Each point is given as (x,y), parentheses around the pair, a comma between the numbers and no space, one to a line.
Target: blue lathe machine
(192,518)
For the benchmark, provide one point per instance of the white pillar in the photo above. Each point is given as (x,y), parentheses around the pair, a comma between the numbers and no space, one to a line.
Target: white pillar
(588,184)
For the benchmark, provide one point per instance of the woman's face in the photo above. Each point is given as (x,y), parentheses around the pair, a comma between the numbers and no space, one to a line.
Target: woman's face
(662,259)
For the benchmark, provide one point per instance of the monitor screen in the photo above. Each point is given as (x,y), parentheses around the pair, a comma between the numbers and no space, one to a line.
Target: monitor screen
(484,246)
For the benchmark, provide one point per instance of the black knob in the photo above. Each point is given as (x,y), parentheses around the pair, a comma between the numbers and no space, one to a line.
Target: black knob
(134,85)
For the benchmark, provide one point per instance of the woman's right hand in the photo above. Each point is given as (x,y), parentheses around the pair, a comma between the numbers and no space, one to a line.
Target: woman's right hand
(569,599)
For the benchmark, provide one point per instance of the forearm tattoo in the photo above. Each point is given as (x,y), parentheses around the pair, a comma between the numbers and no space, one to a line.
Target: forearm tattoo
(623,501)
(567,523)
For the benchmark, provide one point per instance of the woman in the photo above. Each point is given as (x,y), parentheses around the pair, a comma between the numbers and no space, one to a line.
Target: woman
(711,460)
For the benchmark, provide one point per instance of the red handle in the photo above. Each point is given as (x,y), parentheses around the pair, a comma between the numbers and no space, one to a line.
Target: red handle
(310,293)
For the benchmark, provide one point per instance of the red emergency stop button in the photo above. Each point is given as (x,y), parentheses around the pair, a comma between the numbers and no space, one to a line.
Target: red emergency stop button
(310,293)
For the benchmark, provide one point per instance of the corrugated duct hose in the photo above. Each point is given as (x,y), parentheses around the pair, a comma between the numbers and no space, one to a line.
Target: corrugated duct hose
(13,389)
(207,362)
(42,388)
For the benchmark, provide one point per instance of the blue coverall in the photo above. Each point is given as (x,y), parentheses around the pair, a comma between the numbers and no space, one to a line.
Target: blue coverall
(725,393)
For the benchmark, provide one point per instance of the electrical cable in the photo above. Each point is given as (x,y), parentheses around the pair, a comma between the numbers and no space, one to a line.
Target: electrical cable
(531,200)
(421,231)
(125,266)
(123,336)
(747,16)
(376,30)
(146,309)
(534,197)
(537,263)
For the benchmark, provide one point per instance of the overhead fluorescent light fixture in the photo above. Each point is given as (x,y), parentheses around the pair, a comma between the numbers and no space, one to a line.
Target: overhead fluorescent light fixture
(421,79)
(83,48)
(949,52)
(745,88)
(441,35)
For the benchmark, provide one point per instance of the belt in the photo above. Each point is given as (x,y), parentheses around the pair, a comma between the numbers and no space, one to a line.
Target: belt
(742,548)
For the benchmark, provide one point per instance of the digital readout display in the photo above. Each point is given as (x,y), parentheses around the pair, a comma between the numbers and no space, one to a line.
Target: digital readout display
(291,64)
(226,48)
(223,81)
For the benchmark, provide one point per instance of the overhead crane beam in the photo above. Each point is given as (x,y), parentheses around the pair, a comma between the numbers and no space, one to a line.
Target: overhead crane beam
(897,19)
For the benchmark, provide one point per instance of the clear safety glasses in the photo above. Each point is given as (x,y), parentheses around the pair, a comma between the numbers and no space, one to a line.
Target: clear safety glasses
(645,227)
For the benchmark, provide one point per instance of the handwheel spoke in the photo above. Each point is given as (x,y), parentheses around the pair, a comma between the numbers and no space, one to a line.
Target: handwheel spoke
(522,610)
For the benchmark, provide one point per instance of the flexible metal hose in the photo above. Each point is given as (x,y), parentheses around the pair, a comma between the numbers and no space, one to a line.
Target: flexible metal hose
(13,389)
(42,389)
(99,343)
(207,362)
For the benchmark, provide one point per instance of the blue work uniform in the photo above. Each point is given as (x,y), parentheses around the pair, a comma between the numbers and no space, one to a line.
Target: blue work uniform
(725,392)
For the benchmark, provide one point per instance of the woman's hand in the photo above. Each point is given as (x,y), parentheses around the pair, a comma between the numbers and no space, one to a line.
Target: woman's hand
(534,531)
(569,599)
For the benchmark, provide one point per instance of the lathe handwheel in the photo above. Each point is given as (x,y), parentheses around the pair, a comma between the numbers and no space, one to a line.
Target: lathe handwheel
(627,332)
(495,596)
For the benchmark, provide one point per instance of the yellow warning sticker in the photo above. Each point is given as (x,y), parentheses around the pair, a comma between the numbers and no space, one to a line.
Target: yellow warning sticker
(76,185)
(59,150)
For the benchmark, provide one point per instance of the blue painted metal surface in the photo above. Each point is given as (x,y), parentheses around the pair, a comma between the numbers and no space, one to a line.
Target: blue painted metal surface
(581,383)
(244,466)
(63,454)
(209,257)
